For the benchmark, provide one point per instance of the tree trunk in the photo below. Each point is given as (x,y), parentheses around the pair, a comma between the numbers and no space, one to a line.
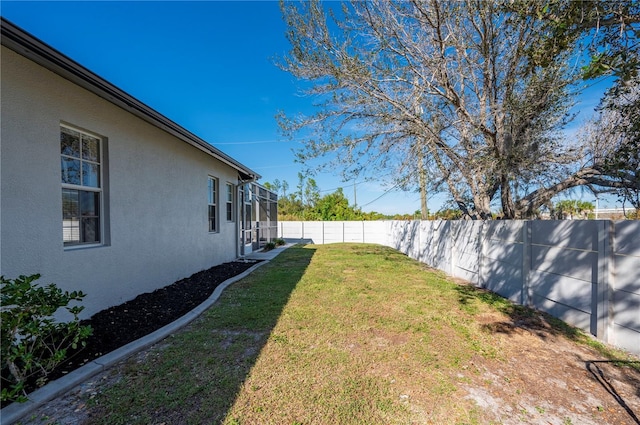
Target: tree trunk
(508,208)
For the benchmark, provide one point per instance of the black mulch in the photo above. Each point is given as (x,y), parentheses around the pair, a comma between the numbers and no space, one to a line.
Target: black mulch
(122,324)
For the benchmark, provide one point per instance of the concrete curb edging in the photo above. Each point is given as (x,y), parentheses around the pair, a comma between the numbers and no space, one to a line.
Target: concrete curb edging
(16,411)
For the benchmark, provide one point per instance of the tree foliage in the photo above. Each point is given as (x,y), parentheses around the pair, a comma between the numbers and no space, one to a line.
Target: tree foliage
(608,29)
(571,208)
(308,204)
(613,141)
(455,82)
(611,30)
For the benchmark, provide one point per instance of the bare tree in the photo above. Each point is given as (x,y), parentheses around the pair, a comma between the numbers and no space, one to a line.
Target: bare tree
(452,78)
(613,141)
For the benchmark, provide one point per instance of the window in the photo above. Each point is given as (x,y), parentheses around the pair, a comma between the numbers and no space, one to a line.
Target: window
(81,187)
(212,185)
(229,202)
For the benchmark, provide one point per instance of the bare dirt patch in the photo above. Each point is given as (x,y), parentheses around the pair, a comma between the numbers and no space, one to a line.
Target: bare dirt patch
(545,378)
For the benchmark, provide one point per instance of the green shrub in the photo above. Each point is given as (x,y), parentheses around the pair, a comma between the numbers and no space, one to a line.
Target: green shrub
(269,246)
(33,343)
(279,241)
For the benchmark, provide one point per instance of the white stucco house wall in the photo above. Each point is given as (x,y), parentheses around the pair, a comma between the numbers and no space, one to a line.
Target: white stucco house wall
(101,193)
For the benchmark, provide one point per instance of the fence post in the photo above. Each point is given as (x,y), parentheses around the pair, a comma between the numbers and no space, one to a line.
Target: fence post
(481,257)
(605,281)
(427,238)
(526,264)
(453,248)
(419,253)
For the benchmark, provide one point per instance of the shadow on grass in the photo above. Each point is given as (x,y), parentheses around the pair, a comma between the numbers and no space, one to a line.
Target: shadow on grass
(196,375)
(608,383)
(537,322)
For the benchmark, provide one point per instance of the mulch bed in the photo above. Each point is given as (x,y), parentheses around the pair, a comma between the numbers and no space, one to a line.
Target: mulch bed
(117,326)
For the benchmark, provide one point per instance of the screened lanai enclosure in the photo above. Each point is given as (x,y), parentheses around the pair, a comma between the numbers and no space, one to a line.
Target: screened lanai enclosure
(259,217)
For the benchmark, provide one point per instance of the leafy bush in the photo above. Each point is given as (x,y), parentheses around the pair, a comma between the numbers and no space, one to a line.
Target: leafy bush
(33,343)
(269,246)
(279,242)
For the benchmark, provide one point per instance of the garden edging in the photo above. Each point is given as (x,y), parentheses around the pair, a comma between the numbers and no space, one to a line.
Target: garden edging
(16,411)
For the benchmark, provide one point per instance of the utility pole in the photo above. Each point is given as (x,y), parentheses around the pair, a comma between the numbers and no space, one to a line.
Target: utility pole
(423,185)
(422,175)
(355,199)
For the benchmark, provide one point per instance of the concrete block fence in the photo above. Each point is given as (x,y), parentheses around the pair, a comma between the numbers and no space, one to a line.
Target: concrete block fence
(585,272)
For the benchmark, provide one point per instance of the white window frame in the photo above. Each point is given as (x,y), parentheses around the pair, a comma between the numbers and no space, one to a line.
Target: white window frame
(73,244)
(212,204)
(229,211)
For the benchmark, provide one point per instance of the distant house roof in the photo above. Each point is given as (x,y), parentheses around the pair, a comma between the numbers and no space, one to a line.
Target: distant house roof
(41,53)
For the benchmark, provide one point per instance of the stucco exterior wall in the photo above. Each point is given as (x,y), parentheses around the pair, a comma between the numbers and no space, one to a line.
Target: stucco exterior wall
(156,198)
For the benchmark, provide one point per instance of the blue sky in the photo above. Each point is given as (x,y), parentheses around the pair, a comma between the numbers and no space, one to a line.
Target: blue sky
(207,65)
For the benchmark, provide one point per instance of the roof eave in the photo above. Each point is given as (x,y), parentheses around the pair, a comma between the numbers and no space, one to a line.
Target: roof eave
(44,55)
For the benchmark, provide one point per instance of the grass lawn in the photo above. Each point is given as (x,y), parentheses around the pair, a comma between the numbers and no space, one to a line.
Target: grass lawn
(333,334)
